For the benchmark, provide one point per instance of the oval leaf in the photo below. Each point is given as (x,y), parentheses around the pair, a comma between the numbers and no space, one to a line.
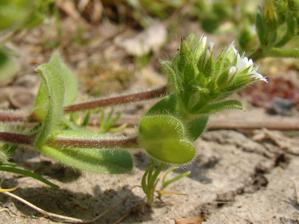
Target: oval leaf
(90,159)
(163,137)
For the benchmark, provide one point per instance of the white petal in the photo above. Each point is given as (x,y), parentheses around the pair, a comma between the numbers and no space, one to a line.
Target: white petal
(232,46)
(204,41)
(258,76)
(241,62)
(250,62)
(232,70)
(211,45)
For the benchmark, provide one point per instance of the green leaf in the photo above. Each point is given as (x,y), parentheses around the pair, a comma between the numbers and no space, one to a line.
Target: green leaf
(16,14)
(13,13)
(55,68)
(91,159)
(219,106)
(163,137)
(172,75)
(167,182)
(211,24)
(8,67)
(12,168)
(165,106)
(196,127)
(69,79)
(261,29)
(49,102)
(81,134)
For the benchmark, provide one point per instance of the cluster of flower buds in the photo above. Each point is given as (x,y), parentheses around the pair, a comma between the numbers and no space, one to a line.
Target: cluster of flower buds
(277,22)
(199,77)
(200,82)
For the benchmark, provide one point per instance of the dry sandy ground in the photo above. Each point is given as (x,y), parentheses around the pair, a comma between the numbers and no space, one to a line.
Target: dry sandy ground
(236,178)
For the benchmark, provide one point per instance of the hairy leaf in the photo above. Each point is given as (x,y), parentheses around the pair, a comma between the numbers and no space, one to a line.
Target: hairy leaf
(90,159)
(49,102)
(196,127)
(164,106)
(163,137)
(55,67)
(219,106)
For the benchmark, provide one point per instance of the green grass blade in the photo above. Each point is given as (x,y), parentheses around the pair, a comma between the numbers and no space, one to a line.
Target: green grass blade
(18,170)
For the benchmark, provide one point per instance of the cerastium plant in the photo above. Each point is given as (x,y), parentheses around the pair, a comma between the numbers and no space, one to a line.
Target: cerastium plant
(199,84)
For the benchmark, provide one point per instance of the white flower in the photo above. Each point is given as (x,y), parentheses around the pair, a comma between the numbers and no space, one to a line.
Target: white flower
(203,41)
(258,76)
(245,63)
(232,70)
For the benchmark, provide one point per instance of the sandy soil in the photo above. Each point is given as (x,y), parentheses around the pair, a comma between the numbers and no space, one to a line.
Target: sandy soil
(234,179)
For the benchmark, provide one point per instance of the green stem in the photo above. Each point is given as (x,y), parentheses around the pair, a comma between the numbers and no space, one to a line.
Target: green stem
(275,53)
(280,52)
(150,180)
(258,54)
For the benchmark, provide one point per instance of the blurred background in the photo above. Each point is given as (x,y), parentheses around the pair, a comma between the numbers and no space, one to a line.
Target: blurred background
(117,45)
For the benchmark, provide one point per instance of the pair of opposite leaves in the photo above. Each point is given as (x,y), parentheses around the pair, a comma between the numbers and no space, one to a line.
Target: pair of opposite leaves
(165,137)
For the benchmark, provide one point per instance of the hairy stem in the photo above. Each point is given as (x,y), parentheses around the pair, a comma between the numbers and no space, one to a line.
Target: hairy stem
(95,143)
(17,138)
(10,116)
(116,100)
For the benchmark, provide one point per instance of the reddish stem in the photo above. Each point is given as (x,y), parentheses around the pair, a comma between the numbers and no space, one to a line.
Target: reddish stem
(116,100)
(94,143)
(6,116)
(11,116)
(17,138)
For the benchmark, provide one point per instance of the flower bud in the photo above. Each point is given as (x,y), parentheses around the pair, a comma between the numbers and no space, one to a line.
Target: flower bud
(205,63)
(270,13)
(294,7)
(198,74)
